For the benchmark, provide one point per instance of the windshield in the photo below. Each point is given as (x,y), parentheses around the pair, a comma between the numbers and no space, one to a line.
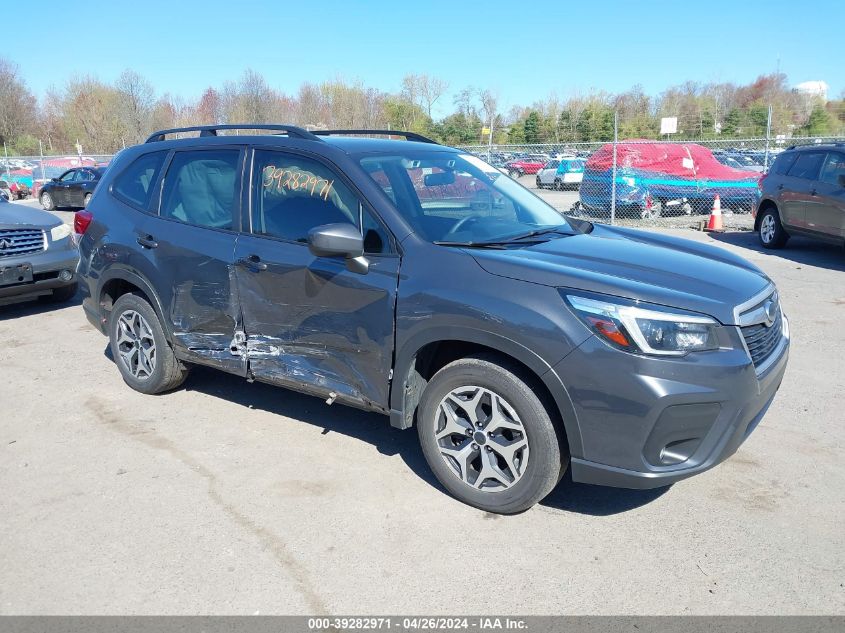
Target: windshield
(450,197)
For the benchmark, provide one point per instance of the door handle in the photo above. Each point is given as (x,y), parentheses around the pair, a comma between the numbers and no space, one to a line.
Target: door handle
(147,241)
(812,192)
(253,262)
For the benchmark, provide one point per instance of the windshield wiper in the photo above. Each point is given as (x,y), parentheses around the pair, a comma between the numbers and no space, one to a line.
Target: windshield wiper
(522,238)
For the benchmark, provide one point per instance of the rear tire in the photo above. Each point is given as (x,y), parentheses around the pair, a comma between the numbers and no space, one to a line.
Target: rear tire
(770,231)
(47,201)
(139,348)
(476,461)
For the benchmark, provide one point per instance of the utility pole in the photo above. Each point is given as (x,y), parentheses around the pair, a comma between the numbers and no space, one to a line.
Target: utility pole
(768,136)
(613,186)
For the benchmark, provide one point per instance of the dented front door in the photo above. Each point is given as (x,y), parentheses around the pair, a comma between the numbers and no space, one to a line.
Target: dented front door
(309,322)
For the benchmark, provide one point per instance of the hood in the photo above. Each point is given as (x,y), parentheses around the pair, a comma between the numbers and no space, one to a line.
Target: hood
(637,265)
(13,216)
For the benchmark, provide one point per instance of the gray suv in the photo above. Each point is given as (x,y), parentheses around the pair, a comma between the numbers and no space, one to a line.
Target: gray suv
(803,194)
(415,280)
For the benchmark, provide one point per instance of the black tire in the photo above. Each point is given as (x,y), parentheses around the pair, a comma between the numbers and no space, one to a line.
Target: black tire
(46,200)
(558,185)
(539,184)
(771,232)
(60,295)
(86,200)
(548,457)
(168,373)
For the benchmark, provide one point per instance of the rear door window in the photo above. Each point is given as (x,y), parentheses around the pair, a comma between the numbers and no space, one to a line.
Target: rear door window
(135,183)
(833,169)
(201,188)
(807,165)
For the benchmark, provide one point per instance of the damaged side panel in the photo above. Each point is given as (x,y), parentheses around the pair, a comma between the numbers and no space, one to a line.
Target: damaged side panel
(312,325)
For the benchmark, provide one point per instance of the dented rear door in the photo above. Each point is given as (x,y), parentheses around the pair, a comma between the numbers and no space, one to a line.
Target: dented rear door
(192,240)
(310,323)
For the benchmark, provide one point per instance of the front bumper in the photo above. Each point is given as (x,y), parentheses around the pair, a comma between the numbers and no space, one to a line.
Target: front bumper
(46,267)
(646,422)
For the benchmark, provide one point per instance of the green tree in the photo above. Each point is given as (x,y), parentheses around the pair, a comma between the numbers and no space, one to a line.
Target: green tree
(820,122)
(531,127)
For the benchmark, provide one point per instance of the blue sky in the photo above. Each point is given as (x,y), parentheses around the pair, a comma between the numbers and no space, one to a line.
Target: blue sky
(523,50)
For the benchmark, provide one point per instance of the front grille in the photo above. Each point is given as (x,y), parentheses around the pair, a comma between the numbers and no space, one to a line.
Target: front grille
(762,340)
(20,241)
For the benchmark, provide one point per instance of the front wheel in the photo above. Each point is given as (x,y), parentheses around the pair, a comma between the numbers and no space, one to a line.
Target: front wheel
(488,437)
(139,348)
(771,231)
(47,201)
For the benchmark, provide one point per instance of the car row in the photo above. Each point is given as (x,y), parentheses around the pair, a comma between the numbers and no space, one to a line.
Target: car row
(418,281)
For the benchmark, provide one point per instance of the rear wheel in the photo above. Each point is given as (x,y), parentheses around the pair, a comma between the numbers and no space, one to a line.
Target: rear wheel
(142,354)
(47,201)
(488,437)
(558,184)
(770,230)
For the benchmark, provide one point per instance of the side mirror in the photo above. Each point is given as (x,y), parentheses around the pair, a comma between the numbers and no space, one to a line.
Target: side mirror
(54,180)
(339,240)
(438,179)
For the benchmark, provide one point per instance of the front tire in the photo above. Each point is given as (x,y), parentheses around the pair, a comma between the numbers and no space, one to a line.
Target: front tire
(139,348)
(488,437)
(770,230)
(47,201)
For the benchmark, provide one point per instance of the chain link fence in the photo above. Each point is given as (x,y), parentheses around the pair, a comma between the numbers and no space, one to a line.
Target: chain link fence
(669,183)
(646,182)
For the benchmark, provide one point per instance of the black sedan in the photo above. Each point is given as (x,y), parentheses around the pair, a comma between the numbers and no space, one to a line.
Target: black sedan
(72,189)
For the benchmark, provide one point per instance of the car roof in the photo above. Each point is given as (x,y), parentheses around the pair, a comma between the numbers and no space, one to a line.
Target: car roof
(819,146)
(348,144)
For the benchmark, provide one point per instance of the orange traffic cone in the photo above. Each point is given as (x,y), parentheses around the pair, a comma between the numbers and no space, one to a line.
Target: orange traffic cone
(715,223)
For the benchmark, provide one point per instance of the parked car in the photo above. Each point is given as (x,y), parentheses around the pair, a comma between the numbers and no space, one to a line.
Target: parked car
(5,191)
(653,179)
(37,255)
(803,194)
(73,188)
(739,160)
(523,166)
(561,173)
(519,343)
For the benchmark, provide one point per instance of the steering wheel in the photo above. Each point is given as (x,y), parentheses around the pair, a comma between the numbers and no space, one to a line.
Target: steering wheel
(463,222)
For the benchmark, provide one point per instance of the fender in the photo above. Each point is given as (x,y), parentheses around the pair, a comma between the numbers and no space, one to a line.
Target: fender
(406,356)
(128,275)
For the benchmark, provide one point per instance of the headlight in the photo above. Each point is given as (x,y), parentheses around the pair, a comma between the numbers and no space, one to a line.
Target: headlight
(645,330)
(59,232)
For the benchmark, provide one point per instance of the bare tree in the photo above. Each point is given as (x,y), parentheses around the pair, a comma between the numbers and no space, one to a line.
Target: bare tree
(430,90)
(136,98)
(18,108)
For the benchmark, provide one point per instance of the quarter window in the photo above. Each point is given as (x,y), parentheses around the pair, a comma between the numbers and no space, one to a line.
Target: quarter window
(134,185)
(200,188)
(807,165)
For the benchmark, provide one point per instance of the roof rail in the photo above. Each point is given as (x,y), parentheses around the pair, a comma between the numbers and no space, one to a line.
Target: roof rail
(411,136)
(211,130)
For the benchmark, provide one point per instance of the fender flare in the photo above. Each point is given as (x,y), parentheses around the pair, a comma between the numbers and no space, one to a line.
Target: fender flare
(124,274)
(406,356)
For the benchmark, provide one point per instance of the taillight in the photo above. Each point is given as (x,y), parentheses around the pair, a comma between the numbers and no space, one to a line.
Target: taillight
(81,221)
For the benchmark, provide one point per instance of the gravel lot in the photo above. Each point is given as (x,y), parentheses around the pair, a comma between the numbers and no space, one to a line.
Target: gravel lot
(228,497)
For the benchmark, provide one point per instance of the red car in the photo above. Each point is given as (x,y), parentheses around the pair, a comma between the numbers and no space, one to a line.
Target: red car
(529,165)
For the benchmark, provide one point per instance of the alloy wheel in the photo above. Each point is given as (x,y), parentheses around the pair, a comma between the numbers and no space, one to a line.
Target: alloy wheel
(767,228)
(481,438)
(136,344)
